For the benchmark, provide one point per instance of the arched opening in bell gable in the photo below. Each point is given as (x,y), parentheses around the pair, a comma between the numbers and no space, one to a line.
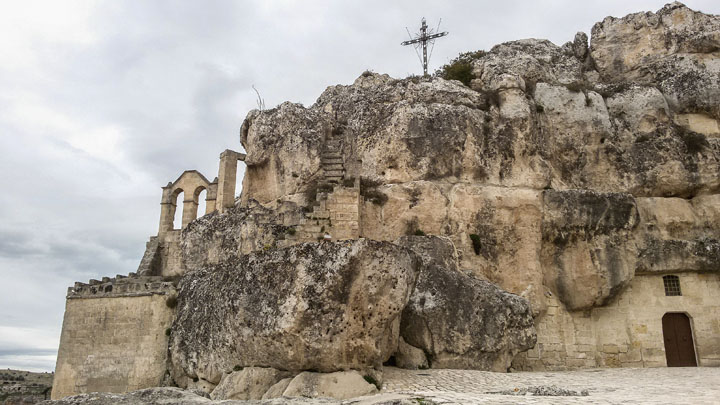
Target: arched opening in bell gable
(178,198)
(201,197)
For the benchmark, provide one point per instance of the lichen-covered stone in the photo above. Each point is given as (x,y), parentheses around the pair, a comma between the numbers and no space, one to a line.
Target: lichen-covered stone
(215,238)
(273,165)
(458,320)
(532,60)
(679,255)
(675,48)
(315,306)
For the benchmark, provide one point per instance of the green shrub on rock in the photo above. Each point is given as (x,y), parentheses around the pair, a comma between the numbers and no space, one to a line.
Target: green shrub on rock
(460,68)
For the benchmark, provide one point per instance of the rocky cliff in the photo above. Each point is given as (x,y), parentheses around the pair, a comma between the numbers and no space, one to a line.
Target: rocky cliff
(562,170)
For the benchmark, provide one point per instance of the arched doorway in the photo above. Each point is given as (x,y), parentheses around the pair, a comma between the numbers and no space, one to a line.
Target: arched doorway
(679,345)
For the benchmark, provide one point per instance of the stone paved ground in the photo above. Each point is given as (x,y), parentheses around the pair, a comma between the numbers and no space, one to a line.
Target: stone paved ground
(697,385)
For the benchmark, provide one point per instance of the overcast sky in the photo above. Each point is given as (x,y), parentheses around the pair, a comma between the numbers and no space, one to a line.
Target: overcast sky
(104,102)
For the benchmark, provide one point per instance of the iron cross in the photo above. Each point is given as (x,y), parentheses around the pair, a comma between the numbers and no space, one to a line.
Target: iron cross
(426,35)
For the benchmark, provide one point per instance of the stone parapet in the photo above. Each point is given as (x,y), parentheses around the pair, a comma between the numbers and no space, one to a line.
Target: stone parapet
(121,286)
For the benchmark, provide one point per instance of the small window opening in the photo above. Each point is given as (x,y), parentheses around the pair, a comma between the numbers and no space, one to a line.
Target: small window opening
(672,286)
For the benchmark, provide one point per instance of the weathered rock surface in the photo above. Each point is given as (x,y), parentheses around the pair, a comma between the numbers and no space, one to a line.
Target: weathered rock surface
(635,112)
(277,390)
(315,306)
(338,385)
(274,166)
(679,235)
(177,396)
(587,238)
(215,238)
(458,320)
(248,383)
(675,48)
(523,63)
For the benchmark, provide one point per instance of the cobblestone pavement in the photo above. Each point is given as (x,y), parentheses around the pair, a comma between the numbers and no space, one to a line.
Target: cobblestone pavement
(696,385)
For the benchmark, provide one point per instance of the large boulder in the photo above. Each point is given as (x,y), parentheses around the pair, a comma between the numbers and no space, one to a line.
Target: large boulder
(338,385)
(458,320)
(248,383)
(314,306)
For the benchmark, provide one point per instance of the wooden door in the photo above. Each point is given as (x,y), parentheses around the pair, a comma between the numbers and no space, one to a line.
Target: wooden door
(679,346)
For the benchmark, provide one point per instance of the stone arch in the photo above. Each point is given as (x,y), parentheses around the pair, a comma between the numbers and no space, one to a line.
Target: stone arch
(191,183)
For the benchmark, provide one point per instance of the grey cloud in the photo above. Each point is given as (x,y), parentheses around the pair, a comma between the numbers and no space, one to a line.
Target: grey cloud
(26,352)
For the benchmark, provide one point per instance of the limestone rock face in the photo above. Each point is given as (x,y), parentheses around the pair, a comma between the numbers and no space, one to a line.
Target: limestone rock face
(675,48)
(215,238)
(563,170)
(458,320)
(626,47)
(633,112)
(679,234)
(314,306)
(282,165)
(529,61)
(587,238)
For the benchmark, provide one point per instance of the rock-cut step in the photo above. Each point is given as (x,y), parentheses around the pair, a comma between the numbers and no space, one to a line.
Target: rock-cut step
(331,161)
(329,167)
(334,173)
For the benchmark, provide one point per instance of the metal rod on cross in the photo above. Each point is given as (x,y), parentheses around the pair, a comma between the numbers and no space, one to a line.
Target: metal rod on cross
(422,39)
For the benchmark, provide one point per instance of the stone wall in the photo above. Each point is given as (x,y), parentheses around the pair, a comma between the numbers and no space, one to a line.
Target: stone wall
(113,336)
(628,331)
(163,255)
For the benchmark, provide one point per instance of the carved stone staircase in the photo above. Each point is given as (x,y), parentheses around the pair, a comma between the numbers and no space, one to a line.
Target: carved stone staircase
(332,161)
(335,210)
